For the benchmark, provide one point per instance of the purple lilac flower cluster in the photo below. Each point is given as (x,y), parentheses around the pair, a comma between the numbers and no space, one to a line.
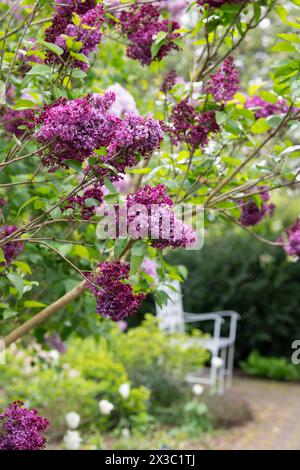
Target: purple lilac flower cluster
(190,126)
(87,202)
(74,129)
(169,81)
(87,32)
(141,25)
(264,109)
(219,3)
(159,223)
(13,119)
(225,82)
(292,242)
(10,249)
(21,428)
(67,7)
(135,136)
(114,297)
(252,213)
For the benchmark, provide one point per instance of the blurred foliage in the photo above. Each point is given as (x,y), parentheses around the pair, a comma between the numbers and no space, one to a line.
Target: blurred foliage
(152,362)
(274,368)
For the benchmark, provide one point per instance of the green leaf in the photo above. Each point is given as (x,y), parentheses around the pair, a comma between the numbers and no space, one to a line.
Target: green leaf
(23,266)
(81,251)
(120,246)
(138,252)
(2,257)
(17,282)
(33,304)
(26,203)
(260,126)
(110,186)
(161,298)
(39,69)
(76,19)
(80,57)
(52,47)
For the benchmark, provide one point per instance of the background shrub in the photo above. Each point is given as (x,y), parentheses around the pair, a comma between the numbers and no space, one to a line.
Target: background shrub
(270,367)
(236,272)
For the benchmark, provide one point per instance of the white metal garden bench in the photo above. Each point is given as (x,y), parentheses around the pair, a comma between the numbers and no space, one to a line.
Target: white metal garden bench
(172,318)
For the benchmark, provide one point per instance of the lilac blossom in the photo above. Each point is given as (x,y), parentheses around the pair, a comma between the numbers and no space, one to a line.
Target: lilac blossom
(190,126)
(87,202)
(291,240)
(76,128)
(264,109)
(21,428)
(169,81)
(141,25)
(115,298)
(89,37)
(11,249)
(158,223)
(253,213)
(124,103)
(224,84)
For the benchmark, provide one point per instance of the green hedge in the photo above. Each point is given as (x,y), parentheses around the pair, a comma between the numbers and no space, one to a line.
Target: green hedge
(237,272)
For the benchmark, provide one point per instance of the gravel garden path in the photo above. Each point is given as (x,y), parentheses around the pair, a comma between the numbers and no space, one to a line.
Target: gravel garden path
(276,424)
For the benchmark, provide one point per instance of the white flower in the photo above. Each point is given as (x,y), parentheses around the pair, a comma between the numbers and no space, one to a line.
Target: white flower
(217,362)
(72,419)
(124,390)
(125,433)
(72,440)
(198,390)
(73,373)
(54,356)
(105,407)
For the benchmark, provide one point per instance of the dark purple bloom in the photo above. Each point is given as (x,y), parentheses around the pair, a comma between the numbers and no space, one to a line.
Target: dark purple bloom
(58,27)
(188,125)
(224,84)
(135,136)
(67,7)
(114,297)
(87,202)
(158,223)
(292,240)
(21,428)
(10,249)
(76,128)
(14,118)
(89,36)
(264,109)
(253,213)
(169,81)
(141,25)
